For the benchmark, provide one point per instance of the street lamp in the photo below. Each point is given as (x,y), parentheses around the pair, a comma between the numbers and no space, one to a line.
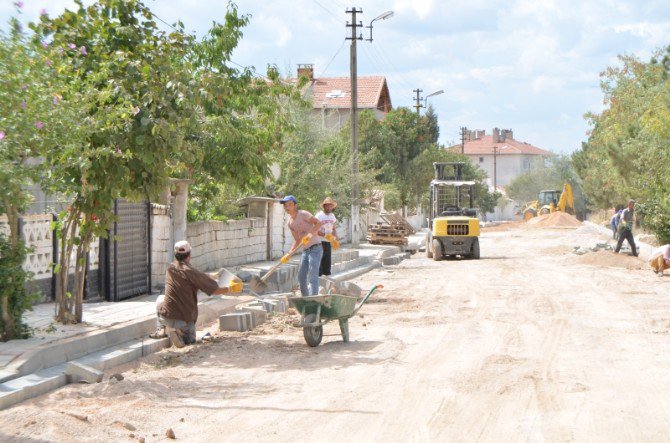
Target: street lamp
(355,206)
(425,100)
(418,99)
(383,16)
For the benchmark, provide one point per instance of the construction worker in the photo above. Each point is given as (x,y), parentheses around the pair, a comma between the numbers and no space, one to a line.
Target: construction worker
(627,228)
(304,228)
(328,233)
(178,311)
(615,221)
(659,260)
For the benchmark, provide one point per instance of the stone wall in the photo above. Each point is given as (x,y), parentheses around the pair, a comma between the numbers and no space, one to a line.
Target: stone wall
(217,244)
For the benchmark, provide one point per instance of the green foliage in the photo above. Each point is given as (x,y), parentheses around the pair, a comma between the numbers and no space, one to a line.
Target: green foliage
(14,299)
(626,155)
(154,105)
(31,117)
(316,162)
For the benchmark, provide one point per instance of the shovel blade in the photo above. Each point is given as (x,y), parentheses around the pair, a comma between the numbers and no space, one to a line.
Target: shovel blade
(257,285)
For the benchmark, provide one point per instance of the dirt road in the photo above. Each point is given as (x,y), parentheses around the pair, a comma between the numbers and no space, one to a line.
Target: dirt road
(532,342)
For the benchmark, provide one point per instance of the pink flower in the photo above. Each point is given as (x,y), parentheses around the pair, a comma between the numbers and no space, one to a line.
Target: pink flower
(45,45)
(136,110)
(19,4)
(24,87)
(39,125)
(23,104)
(48,62)
(71,45)
(55,99)
(83,50)
(2,135)
(43,11)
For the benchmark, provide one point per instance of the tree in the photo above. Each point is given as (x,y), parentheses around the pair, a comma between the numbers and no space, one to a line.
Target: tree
(316,162)
(626,154)
(153,105)
(30,112)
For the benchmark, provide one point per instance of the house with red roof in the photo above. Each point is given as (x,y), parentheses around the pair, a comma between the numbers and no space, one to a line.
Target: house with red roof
(331,96)
(500,155)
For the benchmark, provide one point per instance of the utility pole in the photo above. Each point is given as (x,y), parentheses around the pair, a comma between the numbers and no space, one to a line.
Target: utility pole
(355,204)
(495,168)
(418,106)
(463,131)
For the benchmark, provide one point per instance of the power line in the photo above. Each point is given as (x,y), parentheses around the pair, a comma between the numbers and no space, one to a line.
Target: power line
(328,11)
(331,60)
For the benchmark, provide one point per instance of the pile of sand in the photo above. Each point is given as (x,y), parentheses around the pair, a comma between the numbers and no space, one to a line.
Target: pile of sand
(556,220)
(609,259)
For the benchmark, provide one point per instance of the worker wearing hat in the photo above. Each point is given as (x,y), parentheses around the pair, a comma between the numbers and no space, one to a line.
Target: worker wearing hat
(626,233)
(178,311)
(304,228)
(328,233)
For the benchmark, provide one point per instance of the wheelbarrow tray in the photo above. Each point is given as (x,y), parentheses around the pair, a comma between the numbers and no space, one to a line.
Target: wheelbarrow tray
(333,306)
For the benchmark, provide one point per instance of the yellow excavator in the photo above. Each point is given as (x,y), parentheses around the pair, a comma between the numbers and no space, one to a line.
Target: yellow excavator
(549,201)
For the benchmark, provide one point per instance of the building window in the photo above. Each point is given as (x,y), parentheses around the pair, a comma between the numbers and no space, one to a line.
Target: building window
(526,164)
(481,159)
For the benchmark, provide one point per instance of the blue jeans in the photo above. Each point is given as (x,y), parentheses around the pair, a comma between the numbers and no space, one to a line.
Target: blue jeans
(308,273)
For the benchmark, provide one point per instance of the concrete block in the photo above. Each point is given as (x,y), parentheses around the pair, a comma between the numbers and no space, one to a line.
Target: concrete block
(81,372)
(29,386)
(258,316)
(235,321)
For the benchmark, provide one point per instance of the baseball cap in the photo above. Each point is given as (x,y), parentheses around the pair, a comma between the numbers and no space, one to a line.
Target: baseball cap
(182,247)
(288,198)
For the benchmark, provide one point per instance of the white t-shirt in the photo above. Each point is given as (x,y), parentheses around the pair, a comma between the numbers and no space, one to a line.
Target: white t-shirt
(663,250)
(328,220)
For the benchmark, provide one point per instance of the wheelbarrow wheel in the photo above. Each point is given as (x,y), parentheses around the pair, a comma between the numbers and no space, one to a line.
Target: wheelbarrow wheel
(344,328)
(312,334)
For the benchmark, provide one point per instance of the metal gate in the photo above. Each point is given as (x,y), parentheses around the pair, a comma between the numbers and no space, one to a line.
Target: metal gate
(128,252)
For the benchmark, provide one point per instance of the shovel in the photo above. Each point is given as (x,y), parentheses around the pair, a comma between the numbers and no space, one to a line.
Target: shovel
(258,284)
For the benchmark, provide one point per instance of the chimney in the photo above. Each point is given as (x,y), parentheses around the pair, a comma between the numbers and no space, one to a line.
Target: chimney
(306,70)
(496,135)
(507,133)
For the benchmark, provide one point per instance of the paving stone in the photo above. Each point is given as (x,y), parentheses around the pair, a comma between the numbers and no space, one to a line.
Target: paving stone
(235,321)
(81,372)
(258,316)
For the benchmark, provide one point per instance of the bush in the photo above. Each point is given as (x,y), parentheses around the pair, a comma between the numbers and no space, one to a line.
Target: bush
(15,298)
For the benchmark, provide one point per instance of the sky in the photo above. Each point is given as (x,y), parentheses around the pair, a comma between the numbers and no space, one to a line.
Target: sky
(532,66)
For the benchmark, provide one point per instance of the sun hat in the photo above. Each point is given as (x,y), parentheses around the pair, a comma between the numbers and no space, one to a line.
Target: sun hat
(328,201)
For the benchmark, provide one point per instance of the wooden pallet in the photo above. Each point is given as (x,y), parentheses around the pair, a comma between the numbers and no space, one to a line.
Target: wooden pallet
(393,219)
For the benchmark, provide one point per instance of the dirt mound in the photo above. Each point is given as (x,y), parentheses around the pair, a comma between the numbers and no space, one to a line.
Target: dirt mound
(609,259)
(556,220)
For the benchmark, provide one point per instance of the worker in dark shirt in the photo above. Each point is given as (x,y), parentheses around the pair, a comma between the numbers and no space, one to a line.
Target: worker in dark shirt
(179,310)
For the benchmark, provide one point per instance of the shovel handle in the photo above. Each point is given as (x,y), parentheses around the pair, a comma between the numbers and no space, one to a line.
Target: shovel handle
(274,268)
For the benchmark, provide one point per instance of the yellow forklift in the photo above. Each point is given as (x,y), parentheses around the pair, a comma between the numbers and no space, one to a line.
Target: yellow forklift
(453,221)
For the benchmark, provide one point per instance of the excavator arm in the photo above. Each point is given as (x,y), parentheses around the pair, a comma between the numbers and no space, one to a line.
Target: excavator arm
(566,202)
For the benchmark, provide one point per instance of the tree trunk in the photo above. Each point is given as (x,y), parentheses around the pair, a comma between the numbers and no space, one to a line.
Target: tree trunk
(80,276)
(64,303)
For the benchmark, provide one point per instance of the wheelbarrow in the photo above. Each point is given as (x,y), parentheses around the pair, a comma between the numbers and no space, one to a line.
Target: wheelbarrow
(317,310)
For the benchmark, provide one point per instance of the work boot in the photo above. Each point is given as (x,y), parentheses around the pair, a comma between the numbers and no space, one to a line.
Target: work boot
(158,333)
(175,338)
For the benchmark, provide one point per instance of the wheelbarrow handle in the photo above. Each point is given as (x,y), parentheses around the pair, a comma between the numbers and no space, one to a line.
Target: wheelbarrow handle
(358,306)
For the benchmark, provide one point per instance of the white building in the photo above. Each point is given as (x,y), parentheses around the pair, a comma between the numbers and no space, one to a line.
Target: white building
(501,156)
(503,159)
